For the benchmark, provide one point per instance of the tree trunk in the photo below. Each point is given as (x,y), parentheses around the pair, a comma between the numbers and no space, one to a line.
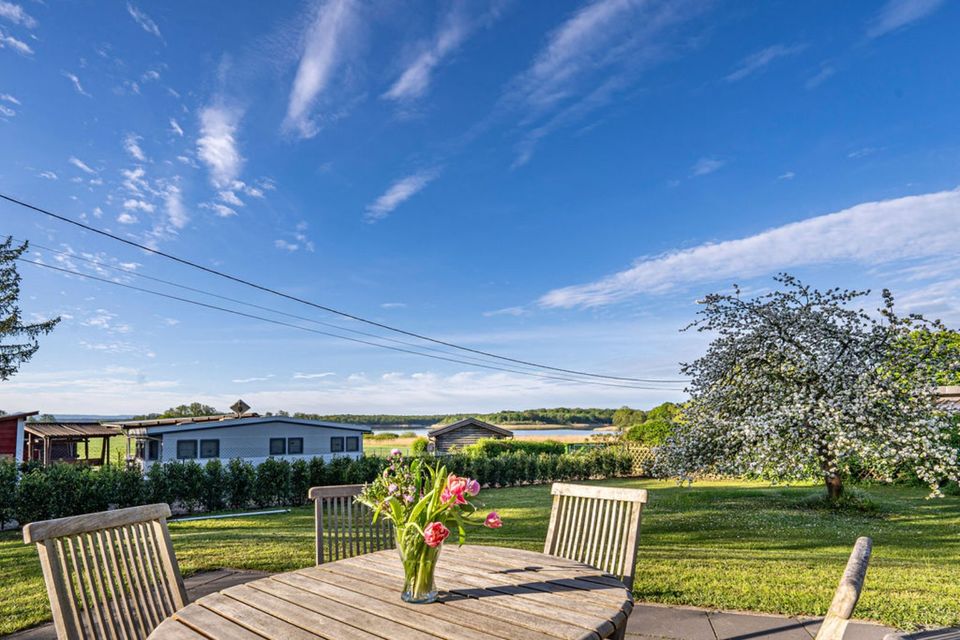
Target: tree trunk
(834,486)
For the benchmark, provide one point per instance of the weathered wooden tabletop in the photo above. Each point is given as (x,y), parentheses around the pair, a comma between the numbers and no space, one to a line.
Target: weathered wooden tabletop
(485,592)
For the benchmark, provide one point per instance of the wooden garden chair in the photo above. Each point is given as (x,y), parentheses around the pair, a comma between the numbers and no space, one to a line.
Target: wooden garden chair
(109,575)
(599,526)
(848,592)
(345,527)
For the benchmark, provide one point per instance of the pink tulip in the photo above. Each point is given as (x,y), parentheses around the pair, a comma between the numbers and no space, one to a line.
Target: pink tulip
(493,520)
(395,452)
(435,533)
(473,487)
(456,485)
(447,497)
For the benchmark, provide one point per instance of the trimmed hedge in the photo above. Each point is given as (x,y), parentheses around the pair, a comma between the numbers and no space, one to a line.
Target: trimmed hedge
(491,447)
(64,490)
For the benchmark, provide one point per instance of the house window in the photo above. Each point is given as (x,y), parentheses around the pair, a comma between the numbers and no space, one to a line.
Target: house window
(353,443)
(209,448)
(294,446)
(153,449)
(278,446)
(186,449)
(336,444)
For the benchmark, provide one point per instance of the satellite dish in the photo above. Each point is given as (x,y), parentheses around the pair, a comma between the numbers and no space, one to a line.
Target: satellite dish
(240,407)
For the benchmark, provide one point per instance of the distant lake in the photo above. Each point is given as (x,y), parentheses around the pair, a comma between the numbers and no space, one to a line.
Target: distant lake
(519,433)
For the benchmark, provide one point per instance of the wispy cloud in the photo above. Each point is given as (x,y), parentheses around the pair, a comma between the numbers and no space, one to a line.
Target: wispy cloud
(217,145)
(72,77)
(705,166)
(173,204)
(19,46)
(127,218)
(15,14)
(871,233)
(80,164)
(825,73)
(415,79)
(787,175)
(221,210)
(393,305)
(330,33)
(312,376)
(7,111)
(6,97)
(596,54)
(254,379)
(897,14)
(145,21)
(176,128)
(756,62)
(48,175)
(131,143)
(398,193)
(132,204)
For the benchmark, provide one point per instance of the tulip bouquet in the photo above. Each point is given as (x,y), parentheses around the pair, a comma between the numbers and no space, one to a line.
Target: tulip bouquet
(424,503)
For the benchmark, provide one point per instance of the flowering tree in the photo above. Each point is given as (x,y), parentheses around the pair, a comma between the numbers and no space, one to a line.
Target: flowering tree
(798,384)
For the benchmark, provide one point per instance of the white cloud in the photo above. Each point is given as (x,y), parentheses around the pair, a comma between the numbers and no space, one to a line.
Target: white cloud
(80,164)
(173,203)
(393,305)
(415,80)
(332,30)
(49,175)
(176,128)
(787,175)
(72,77)
(507,311)
(759,61)
(7,111)
(221,210)
(897,14)
(15,14)
(248,380)
(820,77)
(6,97)
(312,376)
(398,193)
(230,198)
(870,233)
(126,218)
(131,143)
(133,204)
(19,46)
(595,55)
(286,246)
(145,22)
(705,166)
(217,145)
(133,180)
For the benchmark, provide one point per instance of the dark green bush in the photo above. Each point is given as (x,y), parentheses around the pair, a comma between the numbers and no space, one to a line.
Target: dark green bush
(299,482)
(318,472)
(8,490)
(241,478)
(215,482)
(273,483)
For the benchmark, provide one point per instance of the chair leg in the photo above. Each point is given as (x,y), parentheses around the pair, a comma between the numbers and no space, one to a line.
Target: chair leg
(620,632)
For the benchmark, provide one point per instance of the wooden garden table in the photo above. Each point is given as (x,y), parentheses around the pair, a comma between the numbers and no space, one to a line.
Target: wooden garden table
(485,592)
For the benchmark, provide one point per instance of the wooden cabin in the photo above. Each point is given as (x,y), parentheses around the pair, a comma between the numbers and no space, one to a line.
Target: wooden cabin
(464,433)
(12,434)
(51,442)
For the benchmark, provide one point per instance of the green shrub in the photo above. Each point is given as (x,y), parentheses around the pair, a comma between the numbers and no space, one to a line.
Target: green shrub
(8,490)
(241,478)
(215,482)
(318,472)
(492,447)
(408,434)
(383,435)
(273,483)
(157,487)
(652,432)
(33,497)
(299,482)
(185,483)
(419,446)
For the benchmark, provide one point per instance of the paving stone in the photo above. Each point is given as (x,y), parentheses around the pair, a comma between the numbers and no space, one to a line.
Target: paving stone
(745,626)
(855,630)
(670,622)
(952,633)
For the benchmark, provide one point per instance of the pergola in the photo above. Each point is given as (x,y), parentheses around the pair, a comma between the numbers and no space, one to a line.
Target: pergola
(57,441)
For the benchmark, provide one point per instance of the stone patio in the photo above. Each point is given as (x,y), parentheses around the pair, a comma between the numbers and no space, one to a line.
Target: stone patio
(648,621)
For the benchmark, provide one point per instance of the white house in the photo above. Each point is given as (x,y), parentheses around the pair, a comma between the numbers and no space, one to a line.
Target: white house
(253,438)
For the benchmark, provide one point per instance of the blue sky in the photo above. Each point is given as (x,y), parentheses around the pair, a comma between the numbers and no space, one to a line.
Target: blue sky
(557,182)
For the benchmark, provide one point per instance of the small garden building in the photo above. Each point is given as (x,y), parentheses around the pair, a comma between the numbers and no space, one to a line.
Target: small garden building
(463,433)
(11,434)
(50,442)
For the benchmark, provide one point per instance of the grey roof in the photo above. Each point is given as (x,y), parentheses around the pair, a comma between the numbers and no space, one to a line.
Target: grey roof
(158,429)
(469,421)
(72,429)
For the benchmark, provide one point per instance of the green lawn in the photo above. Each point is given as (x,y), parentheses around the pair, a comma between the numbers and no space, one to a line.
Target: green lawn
(729,545)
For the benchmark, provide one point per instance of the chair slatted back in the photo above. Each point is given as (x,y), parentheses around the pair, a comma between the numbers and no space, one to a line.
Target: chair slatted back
(345,528)
(109,575)
(848,592)
(599,526)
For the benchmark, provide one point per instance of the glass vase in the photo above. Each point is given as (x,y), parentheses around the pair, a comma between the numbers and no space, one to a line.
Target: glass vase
(419,562)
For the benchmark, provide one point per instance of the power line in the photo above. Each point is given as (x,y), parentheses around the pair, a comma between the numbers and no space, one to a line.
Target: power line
(334,335)
(322,307)
(131,272)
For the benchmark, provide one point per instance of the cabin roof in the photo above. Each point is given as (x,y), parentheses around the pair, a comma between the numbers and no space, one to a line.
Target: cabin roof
(17,416)
(73,429)
(439,431)
(174,425)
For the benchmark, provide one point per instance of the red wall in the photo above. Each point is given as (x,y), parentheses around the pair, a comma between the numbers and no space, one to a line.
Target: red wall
(8,436)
